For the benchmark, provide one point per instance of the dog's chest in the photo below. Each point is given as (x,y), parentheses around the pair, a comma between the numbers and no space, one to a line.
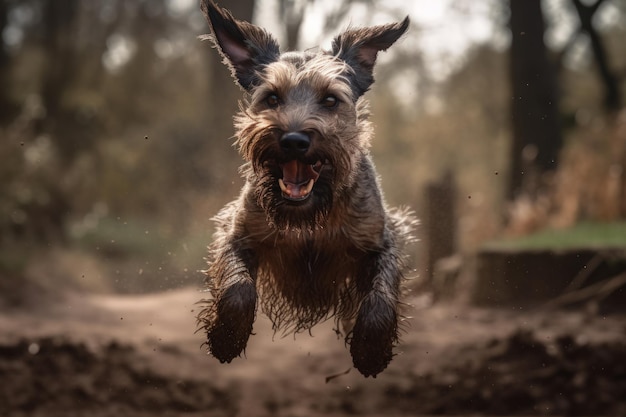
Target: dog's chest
(327,259)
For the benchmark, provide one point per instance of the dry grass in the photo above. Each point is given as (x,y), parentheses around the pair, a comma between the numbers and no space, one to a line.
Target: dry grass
(590,184)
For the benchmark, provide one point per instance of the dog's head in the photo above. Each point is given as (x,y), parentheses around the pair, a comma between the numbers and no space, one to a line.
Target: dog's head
(303,129)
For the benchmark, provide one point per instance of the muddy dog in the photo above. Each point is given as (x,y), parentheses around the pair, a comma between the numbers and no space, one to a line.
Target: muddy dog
(310,236)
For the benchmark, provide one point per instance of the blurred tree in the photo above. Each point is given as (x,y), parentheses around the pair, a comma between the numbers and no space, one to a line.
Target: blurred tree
(589,184)
(6,108)
(586,13)
(59,23)
(81,75)
(292,13)
(536,131)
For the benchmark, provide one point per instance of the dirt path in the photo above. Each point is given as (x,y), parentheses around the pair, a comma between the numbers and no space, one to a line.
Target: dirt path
(138,355)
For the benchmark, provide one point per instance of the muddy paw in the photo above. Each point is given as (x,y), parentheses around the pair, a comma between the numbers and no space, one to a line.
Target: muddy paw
(373,337)
(228,335)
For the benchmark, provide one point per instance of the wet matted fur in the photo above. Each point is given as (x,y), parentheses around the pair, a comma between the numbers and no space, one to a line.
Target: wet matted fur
(310,237)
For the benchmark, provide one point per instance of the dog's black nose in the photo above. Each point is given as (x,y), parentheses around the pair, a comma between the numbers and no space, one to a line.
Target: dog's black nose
(295,143)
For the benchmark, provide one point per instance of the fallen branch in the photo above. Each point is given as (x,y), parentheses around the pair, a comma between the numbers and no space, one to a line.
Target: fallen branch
(595,292)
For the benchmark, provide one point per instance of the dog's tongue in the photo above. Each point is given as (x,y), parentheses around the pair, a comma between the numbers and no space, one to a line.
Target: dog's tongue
(297,177)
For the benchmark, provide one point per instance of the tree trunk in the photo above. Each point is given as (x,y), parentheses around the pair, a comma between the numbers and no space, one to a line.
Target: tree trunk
(536,131)
(612,97)
(6,109)
(439,222)
(292,14)
(59,18)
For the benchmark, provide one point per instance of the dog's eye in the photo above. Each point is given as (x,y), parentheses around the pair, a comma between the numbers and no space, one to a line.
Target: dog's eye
(272,101)
(330,101)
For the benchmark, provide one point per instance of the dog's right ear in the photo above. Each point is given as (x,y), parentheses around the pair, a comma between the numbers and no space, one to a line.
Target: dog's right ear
(244,46)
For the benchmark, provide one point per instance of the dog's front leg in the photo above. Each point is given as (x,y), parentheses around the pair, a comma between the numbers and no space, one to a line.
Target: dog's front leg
(375,331)
(229,317)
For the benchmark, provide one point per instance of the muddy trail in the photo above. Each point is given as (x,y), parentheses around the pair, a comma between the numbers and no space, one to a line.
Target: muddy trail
(139,356)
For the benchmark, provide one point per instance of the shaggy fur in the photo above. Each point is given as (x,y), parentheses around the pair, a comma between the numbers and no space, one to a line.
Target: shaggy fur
(309,237)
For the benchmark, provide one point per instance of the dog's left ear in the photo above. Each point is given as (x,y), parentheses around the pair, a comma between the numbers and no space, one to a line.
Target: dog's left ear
(244,46)
(359,48)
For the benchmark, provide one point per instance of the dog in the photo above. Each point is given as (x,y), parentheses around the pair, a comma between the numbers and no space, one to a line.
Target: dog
(310,237)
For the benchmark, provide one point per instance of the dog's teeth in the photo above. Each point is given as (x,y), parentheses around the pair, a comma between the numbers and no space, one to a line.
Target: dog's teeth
(309,187)
(283,187)
(317,167)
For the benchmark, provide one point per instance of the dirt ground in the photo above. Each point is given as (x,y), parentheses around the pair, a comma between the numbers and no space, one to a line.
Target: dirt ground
(114,355)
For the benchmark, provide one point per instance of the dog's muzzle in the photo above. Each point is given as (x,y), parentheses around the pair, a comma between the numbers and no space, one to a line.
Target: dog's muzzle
(299,175)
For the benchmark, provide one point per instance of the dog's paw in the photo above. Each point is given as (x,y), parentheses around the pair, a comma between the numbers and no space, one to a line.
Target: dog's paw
(228,335)
(373,336)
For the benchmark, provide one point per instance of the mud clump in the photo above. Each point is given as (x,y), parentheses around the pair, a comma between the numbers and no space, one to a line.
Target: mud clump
(521,375)
(53,376)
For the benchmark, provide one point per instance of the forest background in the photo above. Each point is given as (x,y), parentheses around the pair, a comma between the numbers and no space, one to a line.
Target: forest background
(115,126)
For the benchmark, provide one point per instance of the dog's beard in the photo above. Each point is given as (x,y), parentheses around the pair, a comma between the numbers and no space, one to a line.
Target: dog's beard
(279,183)
(285,214)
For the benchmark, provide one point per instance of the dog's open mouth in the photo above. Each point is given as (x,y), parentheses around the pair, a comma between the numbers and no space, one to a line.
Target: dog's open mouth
(298,179)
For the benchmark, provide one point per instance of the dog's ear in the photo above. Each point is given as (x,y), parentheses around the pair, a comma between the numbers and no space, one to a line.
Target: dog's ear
(244,46)
(359,47)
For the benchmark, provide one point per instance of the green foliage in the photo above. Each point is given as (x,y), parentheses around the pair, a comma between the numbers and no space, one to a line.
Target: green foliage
(582,235)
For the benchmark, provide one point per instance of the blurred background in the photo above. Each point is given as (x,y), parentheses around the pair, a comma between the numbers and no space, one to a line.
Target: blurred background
(116,125)
(501,123)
